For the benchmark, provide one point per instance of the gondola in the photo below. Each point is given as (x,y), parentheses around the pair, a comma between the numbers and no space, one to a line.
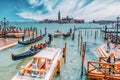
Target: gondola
(29,53)
(66,34)
(32,40)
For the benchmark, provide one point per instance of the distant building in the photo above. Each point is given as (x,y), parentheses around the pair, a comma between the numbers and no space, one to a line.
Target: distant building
(102,21)
(78,21)
(48,21)
(67,19)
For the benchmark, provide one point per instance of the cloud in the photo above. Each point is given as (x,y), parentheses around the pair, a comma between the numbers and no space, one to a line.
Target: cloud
(95,10)
(83,9)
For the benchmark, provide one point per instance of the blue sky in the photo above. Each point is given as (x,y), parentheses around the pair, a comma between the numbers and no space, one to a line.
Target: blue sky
(28,10)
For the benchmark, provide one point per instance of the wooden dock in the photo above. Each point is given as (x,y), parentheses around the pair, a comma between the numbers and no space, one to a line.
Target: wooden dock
(6,43)
(100,70)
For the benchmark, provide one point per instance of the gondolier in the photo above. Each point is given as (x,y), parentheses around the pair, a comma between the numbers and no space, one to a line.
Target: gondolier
(32,40)
(50,37)
(23,38)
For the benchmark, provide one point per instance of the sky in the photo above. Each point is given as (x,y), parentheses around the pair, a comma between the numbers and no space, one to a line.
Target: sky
(30,10)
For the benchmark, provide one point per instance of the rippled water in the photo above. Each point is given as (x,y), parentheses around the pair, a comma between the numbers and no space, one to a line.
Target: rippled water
(70,70)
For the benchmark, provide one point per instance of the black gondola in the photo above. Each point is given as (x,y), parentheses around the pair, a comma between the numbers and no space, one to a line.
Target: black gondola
(29,53)
(24,55)
(66,34)
(110,31)
(32,40)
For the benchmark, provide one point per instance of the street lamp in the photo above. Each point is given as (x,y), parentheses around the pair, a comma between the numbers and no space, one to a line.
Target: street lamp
(117,31)
(5,23)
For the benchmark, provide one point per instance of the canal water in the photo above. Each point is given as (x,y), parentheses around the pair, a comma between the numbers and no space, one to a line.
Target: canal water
(71,70)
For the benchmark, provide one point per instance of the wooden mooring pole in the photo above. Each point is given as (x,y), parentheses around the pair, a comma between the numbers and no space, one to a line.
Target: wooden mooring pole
(81,33)
(33,32)
(83,57)
(73,35)
(87,34)
(40,32)
(36,32)
(74,28)
(81,41)
(45,30)
(105,32)
(95,35)
(91,32)
(78,40)
(64,52)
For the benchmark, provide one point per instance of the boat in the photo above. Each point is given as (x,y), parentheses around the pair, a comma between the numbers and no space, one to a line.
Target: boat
(32,40)
(110,31)
(30,53)
(24,55)
(57,33)
(66,34)
(42,66)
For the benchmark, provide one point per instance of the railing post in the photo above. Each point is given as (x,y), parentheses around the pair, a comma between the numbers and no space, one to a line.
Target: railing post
(105,70)
(88,67)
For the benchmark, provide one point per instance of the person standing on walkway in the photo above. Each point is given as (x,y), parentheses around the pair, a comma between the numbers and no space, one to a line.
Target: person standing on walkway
(108,45)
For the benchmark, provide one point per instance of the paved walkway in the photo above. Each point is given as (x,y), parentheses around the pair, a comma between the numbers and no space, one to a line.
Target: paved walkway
(102,50)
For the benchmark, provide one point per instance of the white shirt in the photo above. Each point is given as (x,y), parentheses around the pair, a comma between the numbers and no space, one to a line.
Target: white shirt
(112,60)
(34,65)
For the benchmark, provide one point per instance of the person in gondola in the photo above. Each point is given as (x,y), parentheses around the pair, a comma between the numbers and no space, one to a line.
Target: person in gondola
(45,44)
(34,66)
(31,39)
(38,46)
(31,49)
(35,48)
(40,36)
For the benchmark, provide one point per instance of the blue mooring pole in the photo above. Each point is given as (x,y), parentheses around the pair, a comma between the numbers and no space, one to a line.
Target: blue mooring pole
(116,42)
